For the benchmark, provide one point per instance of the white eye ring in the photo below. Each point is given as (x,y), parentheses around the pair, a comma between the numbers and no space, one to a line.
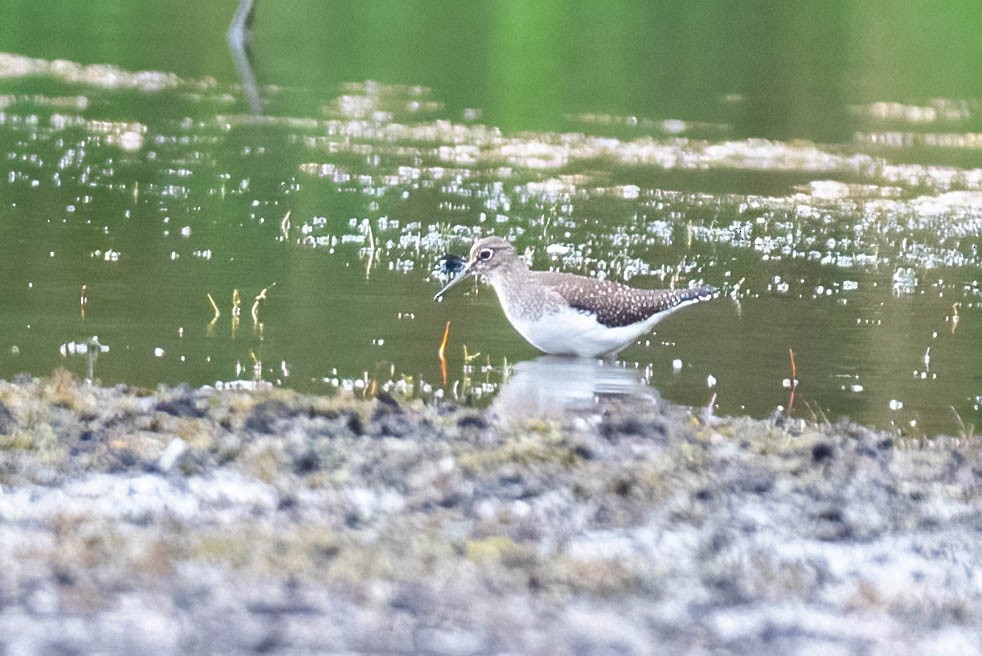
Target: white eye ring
(485,254)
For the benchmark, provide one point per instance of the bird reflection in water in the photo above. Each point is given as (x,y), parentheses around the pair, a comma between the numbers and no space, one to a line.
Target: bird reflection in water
(555,386)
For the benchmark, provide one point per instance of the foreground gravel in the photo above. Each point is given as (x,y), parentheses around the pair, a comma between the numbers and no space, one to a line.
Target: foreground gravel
(197,521)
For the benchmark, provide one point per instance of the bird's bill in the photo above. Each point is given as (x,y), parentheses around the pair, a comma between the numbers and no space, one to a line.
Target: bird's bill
(460,276)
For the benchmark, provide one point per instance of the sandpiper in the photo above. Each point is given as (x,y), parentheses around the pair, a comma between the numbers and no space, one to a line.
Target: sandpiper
(566,314)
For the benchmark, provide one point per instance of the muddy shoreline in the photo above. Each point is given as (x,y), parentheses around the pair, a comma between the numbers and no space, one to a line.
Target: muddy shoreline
(203,521)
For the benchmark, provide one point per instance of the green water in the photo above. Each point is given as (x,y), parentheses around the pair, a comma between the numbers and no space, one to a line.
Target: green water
(821,166)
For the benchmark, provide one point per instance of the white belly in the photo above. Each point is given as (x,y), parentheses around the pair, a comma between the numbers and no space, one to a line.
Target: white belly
(568,332)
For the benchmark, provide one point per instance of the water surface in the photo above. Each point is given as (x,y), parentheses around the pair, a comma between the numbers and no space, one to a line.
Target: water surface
(835,198)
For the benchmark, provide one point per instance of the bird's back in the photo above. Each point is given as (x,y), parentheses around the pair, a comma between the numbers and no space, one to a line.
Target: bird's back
(614,304)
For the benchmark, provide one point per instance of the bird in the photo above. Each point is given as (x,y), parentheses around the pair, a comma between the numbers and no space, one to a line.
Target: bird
(567,314)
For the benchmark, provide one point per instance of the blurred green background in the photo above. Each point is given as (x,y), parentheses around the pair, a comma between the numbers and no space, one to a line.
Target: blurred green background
(529,64)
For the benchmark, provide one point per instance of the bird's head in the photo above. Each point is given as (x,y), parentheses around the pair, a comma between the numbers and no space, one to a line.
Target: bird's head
(486,255)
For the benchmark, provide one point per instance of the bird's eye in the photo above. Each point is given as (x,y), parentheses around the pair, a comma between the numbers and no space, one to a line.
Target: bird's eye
(485,254)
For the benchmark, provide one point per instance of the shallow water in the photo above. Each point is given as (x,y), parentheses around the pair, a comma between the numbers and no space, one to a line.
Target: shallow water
(128,197)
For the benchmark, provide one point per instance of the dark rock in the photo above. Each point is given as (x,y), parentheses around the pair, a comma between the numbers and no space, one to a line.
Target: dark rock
(623,487)
(626,426)
(385,398)
(63,576)
(355,424)
(265,417)
(270,643)
(584,452)
(384,410)
(326,551)
(821,452)
(451,500)
(867,450)
(7,421)
(719,540)
(444,408)
(182,406)
(306,463)
(832,526)
(393,425)
(510,479)
(728,590)
(473,421)
(652,427)
(126,459)
(86,440)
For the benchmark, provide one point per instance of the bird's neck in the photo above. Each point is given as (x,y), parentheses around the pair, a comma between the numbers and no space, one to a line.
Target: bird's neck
(510,276)
(519,291)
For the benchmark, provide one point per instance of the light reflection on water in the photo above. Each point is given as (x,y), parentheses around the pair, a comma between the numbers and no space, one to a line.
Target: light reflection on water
(865,266)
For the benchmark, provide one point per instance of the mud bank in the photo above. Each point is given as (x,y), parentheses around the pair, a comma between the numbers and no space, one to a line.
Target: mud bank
(194,521)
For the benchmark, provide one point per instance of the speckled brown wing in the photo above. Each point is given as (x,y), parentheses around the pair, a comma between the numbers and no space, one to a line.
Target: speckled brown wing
(615,304)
